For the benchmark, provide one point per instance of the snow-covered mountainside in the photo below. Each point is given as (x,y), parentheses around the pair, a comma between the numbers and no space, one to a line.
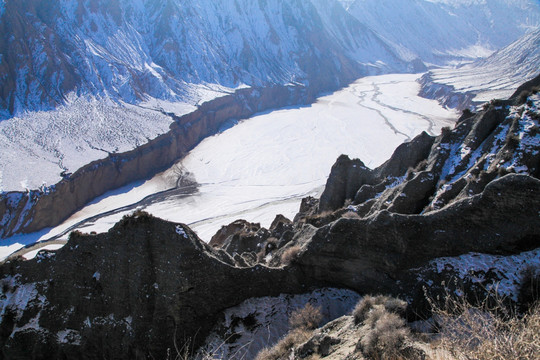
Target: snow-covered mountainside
(495,77)
(108,55)
(132,50)
(441,31)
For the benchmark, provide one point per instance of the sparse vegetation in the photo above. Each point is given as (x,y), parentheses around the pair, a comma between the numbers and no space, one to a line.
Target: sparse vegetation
(384,332)
(309,317)
(421,165)
(369,302)
(290,255)
(502,171)
(487,331)
(283,348)
(350,215)
(529,292)
(524,95)
(302,322)
(493,103)
(321,219)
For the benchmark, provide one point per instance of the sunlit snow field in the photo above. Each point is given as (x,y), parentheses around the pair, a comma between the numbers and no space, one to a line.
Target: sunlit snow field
(265,165)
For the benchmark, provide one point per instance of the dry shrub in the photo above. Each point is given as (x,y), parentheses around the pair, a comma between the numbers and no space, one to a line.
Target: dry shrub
(489,330)
(283,348)
(368,302)
(350,215)
(307,318)
(290,255)
(302,322)
(385,334)
(321,219)
(529,292)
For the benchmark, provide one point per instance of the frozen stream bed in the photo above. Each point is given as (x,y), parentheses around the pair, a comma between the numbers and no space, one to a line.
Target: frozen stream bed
(265,165)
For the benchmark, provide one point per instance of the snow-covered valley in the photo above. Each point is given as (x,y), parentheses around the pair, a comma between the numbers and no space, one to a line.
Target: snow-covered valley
(495,77)
(265,165)
(229,178)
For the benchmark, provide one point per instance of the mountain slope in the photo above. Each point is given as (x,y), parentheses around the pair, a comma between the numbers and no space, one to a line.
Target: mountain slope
(481,80)
(443,31)
(131,50)
(71,70)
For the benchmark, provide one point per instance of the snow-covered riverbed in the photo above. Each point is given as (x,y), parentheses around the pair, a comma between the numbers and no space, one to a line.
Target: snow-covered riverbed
(265,165)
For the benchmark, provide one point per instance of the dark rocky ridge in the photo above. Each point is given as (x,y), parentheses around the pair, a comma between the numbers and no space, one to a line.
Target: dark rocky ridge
(31,211)
(128,293)
(436,197)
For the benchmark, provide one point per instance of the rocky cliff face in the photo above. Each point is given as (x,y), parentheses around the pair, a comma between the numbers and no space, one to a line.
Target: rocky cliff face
(458,206)
(131,293)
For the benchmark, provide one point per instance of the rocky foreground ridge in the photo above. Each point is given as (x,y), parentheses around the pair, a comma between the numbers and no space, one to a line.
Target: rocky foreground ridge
(148,286)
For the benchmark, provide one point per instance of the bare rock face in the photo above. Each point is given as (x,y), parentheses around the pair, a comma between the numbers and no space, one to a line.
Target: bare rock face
(348,176)
(249,243)
(240,237)
(407,155)
(368,254)
(128,294)
(345,179)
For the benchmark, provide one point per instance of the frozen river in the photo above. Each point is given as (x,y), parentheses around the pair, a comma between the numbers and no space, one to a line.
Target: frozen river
(265,165)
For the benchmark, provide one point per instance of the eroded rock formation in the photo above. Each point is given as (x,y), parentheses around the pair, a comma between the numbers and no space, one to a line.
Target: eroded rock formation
(134,291)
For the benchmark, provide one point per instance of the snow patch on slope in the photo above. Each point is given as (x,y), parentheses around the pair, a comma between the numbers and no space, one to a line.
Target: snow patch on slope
(476,266)
(38,147)
(260,322)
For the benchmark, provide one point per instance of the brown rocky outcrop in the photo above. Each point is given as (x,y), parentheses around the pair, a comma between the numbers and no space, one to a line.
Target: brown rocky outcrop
(348,176)
(247,240)
(368,254)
